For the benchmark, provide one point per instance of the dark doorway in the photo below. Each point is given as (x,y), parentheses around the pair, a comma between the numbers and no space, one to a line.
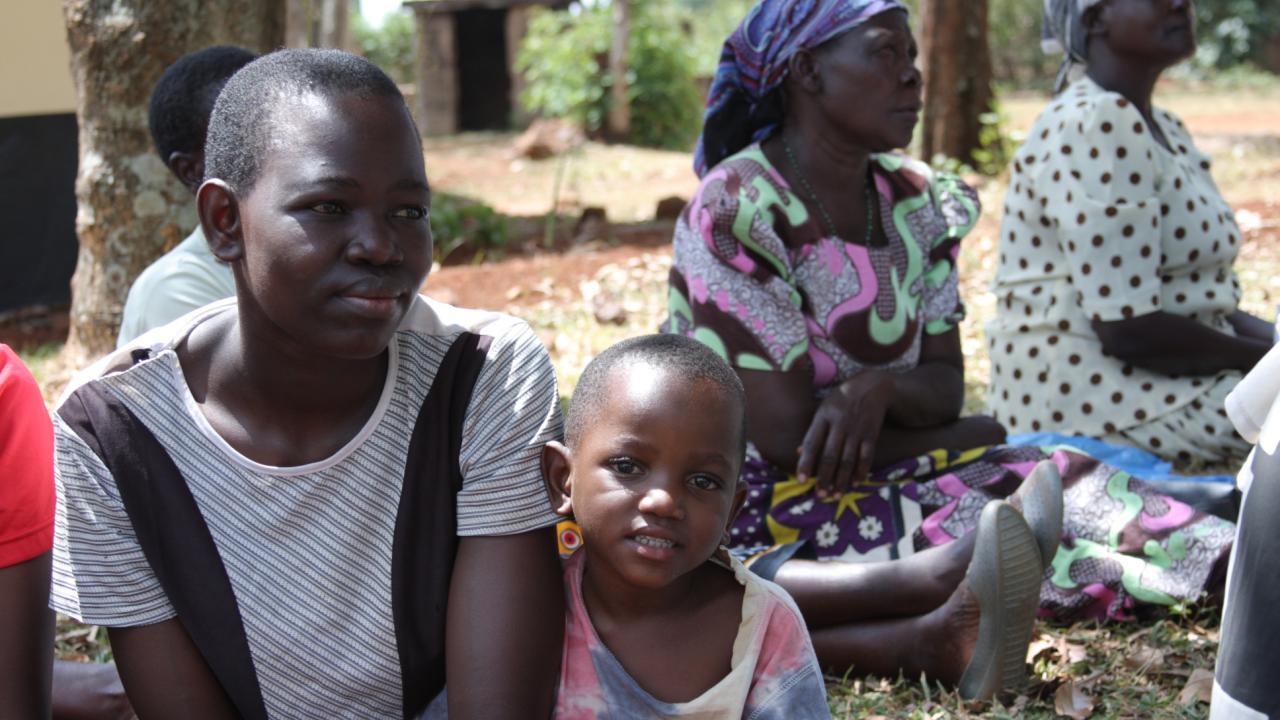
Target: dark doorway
(38,159)
(484,88)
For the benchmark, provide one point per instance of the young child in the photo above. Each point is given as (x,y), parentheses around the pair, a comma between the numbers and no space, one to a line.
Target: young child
(660,622)
(188,276)
(316,498)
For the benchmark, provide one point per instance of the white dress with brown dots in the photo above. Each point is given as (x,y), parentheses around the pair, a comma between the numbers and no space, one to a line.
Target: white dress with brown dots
(1101,222)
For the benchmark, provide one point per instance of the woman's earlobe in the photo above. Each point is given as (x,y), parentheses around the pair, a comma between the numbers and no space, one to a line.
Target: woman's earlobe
(557,475)
(219,211)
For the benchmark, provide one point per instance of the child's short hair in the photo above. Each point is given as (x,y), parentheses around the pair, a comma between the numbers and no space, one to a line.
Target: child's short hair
(244,114)
(685,358)
(183,97)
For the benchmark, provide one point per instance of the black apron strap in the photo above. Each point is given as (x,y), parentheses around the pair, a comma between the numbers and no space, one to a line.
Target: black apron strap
(173,537)
(425,538)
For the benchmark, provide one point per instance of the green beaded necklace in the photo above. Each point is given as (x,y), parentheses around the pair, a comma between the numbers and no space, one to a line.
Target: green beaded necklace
(822,210)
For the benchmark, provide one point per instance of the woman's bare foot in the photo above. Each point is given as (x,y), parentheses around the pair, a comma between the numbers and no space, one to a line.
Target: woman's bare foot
(947,646)
(951,563)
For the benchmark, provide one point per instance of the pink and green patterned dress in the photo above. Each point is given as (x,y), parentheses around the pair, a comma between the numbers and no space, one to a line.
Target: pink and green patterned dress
(756,278)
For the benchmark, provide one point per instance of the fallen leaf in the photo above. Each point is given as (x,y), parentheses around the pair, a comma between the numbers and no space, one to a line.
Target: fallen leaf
(1068,652)
(1144,658)
(1199,687)
(1071,652)
(1072,702)
(1038,646)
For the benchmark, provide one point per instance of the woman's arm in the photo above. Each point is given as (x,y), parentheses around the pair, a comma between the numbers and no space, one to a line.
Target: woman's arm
(26,652)
(932,393)
(1247,325)
(165,675)
(89,691)
(1175,345)
(871,419)
(505,626)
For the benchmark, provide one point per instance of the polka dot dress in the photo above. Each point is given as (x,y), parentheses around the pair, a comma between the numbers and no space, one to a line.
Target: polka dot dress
(1101,222)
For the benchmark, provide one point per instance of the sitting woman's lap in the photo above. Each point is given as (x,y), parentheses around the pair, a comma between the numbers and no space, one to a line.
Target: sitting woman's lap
(1198,433)
(1124,543)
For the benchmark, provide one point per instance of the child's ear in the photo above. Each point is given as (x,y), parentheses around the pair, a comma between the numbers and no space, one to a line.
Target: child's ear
(219,210)
(189,167)
(739,498)
(557,472)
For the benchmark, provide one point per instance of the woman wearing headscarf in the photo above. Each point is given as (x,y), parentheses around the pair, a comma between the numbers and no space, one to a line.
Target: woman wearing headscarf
(821,266)
(1118,311)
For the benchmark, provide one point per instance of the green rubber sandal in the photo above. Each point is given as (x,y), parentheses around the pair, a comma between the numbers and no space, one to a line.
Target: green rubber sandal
(1004,576)
(1040,500)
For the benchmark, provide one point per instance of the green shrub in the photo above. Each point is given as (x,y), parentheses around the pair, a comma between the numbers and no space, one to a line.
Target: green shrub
(564,58)
(996,147)
(390,47)
(996,143)
(457,222)
(715,20)
(1232,32)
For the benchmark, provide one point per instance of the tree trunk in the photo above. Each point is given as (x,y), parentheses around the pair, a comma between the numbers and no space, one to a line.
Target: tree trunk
(300,26)
(618,125)
(335,25)
(130,208)
(957,77)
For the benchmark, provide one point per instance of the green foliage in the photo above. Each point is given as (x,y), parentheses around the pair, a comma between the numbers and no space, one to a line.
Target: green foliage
(564,59)
(390,47)
(1013,28)
(996,146)
(457,222)
(1233,32)
(715,20)
(996,143)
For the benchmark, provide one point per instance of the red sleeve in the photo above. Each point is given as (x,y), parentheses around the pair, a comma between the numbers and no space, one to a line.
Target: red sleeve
(26,465)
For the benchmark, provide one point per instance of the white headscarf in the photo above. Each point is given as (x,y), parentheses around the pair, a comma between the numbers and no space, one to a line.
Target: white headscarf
(1063,32)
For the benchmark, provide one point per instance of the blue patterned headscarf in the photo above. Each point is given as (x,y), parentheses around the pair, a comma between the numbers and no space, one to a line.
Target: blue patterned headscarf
(754,63)
(1063,32)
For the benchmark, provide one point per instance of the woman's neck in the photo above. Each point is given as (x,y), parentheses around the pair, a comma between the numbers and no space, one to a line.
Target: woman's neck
(1134,81)
(308,385)
(271,381)
(825,160)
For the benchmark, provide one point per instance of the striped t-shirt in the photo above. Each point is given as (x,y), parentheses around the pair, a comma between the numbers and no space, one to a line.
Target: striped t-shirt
(307,549)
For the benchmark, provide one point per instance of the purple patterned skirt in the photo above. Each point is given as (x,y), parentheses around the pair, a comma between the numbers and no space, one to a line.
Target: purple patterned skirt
(1123,543)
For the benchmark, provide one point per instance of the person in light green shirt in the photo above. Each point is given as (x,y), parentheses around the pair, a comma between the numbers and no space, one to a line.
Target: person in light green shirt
(188,276)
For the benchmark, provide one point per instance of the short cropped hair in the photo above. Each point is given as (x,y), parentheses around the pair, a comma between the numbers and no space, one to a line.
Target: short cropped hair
(683,357)
(245,114)
(183,97)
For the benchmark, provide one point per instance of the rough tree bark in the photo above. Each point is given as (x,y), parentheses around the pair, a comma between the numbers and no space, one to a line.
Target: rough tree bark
(130,209)
(318,23)
(618,124)
(956,61)
(335,25)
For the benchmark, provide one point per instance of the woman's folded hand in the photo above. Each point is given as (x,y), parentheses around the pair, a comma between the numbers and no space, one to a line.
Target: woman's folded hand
(839,447)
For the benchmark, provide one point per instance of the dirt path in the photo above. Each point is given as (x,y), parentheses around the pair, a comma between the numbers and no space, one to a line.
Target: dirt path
(521,282)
